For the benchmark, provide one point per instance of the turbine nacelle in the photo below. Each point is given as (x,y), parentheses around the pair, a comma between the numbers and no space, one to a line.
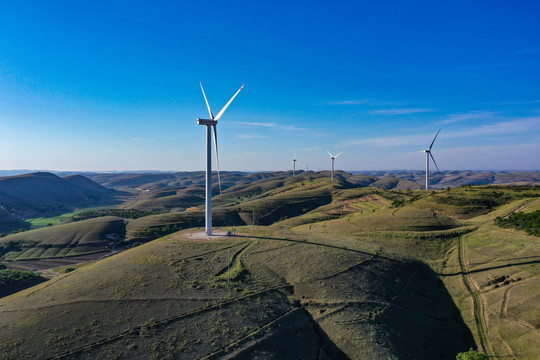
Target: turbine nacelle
(206,122)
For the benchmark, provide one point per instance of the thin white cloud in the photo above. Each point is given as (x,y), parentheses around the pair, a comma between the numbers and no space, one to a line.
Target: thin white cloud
(524,102)
(269,125)
(501,128)
(471,115)
(372,102)
(255,123)
(250,136)
(400,111)
(347,102)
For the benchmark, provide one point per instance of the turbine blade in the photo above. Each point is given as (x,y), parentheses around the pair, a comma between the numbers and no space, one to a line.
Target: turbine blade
(434,139)
(227,105)
(432,158)
(329,154)
(217,158)
(207,105)
(337,155)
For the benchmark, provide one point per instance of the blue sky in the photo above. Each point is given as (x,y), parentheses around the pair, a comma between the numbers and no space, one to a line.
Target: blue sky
(115,85)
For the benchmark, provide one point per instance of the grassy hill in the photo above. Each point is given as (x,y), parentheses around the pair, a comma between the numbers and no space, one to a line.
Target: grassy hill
(291,297)
(457,178)
(317,270)
(61,240)
(45,194)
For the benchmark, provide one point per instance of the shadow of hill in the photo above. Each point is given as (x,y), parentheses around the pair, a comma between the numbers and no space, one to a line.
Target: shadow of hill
(424,322)
(369,305)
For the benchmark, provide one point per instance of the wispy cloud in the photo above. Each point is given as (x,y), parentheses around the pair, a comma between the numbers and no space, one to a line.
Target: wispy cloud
(400,111)
(471,115)
(269,125)
(250,136)
(347,102)
(372,102)
(255,123)
(500,128)
(524,102)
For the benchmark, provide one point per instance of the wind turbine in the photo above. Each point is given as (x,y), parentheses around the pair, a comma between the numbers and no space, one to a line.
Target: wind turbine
(333,160)
(428,154)
(294,162)
(211,123)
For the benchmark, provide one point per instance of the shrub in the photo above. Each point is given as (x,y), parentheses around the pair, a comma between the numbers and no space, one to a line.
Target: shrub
(528,222)
(471,355)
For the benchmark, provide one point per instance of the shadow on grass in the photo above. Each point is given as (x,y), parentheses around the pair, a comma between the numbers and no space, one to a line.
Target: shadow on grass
(306,242)
(12,288)
(491,268)
(424,322)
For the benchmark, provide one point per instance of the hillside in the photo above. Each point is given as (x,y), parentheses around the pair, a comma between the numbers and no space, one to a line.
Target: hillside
(457,178)
(45,194)
(183,190)
(318,270)
(169,298)
(62,240)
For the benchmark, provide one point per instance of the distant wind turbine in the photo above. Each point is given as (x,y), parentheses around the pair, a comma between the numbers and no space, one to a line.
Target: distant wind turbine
(211,123)
(294,162)
(333,160)
(428,154)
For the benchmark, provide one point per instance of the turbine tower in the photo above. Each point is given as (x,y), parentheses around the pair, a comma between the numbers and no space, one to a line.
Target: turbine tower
(428,154)
(333,160)
(211,123)
(294,162)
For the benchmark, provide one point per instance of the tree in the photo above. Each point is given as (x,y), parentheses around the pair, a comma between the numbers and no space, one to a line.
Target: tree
(471,355)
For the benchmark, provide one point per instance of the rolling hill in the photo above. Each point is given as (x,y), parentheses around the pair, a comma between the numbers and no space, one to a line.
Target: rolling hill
(45,194)
(288,297)
(457,178)
(317,270)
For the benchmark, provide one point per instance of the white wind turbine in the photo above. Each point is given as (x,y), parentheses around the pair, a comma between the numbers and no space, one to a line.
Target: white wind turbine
(428,154)
(294,162)
(333,160)
(211,123)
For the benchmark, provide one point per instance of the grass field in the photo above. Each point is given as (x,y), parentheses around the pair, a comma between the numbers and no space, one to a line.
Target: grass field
(49,221)
(54,220)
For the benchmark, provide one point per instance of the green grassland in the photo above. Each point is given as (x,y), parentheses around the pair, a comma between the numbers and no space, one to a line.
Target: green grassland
(49,221)
(66,217)
(318,270)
